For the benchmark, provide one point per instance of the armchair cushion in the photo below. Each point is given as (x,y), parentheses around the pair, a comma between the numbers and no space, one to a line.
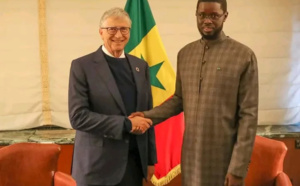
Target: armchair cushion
(282,180)
(62,179)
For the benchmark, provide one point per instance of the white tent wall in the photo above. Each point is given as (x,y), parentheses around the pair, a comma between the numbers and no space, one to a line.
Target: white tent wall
(270,27)
(20,74)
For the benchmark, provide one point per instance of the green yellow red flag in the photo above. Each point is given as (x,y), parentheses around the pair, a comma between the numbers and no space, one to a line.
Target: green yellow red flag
(145,43)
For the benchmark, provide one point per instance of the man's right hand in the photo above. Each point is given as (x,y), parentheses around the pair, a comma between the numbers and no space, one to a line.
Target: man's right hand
(134,114)
(139,124)
(232,180)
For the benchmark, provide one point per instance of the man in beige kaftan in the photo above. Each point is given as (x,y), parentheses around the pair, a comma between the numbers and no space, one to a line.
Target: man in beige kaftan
(217,88)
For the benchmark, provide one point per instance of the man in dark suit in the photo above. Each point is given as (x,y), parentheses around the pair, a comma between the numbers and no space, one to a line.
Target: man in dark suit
(104,88)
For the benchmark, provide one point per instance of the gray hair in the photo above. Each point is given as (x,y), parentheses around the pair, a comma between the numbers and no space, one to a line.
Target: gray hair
(114,12)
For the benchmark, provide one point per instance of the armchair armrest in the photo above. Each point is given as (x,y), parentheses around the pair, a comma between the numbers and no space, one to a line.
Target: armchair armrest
(282,180)
(62,179)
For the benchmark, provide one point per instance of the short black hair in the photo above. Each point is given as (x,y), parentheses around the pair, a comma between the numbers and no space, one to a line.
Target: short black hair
(222,2)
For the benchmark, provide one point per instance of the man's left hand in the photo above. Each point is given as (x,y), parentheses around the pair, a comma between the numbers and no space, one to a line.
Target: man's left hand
(232,180)
(150,172)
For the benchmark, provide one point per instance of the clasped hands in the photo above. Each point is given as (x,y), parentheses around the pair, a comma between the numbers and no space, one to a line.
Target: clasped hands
(139,124)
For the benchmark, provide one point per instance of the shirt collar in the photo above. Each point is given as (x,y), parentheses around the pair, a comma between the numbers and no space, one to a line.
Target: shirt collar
(220,38)
(109,54)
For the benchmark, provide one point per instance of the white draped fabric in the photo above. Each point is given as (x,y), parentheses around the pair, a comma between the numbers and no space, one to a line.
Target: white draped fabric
(34,82)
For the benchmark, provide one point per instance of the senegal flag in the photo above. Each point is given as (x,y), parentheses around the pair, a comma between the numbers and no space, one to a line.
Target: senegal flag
(145,43)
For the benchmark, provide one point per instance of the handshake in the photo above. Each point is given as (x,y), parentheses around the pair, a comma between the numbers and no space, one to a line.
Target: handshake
(139,124)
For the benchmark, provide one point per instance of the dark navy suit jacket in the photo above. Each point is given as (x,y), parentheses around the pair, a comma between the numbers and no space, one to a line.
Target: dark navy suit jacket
(97,112)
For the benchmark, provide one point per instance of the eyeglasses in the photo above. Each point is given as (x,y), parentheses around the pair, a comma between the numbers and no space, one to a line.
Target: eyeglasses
(114,30)
(214,16)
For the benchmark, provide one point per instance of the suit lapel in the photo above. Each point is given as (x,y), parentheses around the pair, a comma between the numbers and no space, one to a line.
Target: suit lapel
(138,73)
(107,77)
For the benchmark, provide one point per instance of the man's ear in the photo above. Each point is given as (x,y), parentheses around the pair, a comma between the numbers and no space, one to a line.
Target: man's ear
(101,32)
(225,16)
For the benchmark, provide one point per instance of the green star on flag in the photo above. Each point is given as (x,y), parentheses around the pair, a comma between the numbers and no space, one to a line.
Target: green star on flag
(153,74)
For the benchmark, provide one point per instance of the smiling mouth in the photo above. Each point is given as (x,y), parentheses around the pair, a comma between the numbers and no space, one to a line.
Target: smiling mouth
(118,41)
(207,29)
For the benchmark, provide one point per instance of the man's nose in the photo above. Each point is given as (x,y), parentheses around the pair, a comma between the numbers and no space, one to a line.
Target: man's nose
(118,34)
(207,20)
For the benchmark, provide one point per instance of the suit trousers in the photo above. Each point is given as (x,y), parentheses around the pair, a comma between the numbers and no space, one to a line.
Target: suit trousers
(133,174)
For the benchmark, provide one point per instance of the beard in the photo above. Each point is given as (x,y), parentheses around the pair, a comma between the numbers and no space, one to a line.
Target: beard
(214,35)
